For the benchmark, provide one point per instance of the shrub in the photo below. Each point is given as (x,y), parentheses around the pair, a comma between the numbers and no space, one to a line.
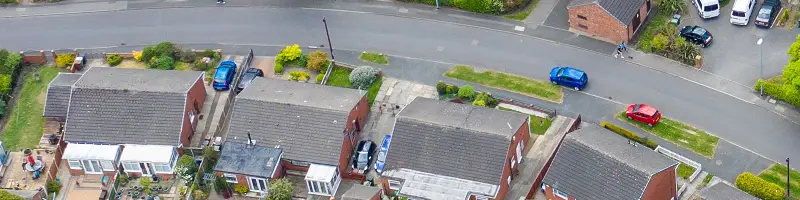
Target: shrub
(186,168)
(302,60)
(487,98)
(63,60)
(211,54)
(480,6)
(441,87)
(145,182)
(11,63)
(148,53)
(466,92)
(362,77)
(278,68)
(759,187)
(454,89)
(784,16)
(683,51)
(448,89)
(660,42)
(137,55)
(114,59)
(186,55)
(316,60)
(201,65)
(479,103)
(53,186)
(298,76)
(163,63)
(199,194)
(5,83)
(289,53)
(5,195)
(324,68)
(166,49)
(8,2)
(241,189)
(320,77)
(3,54)
(628,134)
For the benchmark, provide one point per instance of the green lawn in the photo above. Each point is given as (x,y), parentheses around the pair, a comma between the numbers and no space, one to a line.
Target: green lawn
(522,14)
(499,80)
(183,66)
(679,133)
(24,127)
(340,77)
(535,121)
(373,57)
(706,180)
(685,171)
(777,174)
(373,90)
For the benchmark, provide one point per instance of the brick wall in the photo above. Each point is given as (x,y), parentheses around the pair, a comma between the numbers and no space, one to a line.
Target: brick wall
(194,102)
(538,181)
(359,115)
(663,185)
(33,57)
(593,20)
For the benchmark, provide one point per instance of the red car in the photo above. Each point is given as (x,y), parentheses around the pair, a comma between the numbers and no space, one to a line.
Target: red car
(643,113)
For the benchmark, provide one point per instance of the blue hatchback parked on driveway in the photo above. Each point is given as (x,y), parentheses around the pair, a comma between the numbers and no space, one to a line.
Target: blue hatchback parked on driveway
(568,76)
(381,162)
(223,77)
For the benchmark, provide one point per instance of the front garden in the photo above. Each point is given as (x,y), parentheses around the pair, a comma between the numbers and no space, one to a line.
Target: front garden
(480,6)
(785,87)
(509,82)
(776,174)
(679,133)
(538,125)
(685,171)
(760,187)
(662,38)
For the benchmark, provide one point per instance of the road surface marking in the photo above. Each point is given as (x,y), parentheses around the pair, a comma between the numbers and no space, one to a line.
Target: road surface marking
(440,48)
(780,108)
(337,10)
(519,28)
(21,9)
(599,97)
(474,42)
(403,10)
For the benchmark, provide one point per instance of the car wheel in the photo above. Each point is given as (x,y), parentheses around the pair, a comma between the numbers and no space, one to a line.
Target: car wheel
(629,117)
(650,124)
(576,89)
(554,83)
(703,45)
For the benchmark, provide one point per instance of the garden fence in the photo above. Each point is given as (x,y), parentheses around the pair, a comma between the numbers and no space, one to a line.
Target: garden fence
(231,95)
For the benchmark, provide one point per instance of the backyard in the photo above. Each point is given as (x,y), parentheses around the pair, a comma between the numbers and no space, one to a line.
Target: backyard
(499,80)
(679,133)
(24,127)
(777,174)
(538,125)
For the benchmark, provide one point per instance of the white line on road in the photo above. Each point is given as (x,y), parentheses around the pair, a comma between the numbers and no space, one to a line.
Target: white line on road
(599,97)
(337,10)
(519,28)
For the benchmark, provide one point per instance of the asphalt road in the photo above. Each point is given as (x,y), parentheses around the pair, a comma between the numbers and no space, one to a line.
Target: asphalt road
(747,125)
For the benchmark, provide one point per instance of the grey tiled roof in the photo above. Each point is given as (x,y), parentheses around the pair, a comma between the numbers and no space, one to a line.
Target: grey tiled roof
(306,120)
(723,191)
(58,92)
(238,158)
(454,140)
(360,192)
(594,163)
(115,106)
(623,10)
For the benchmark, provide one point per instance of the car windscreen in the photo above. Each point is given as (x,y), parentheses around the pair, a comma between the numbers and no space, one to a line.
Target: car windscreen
(636,107)
(711,7)
(655,114)
(560,72)
(381,155)
(738,13)
(764,13)
(700,31)
(362,156)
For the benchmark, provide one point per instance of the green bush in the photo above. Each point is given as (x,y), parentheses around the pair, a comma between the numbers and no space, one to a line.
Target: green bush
(628,134)
(770,88)
(302,60)
(278,68)
(53,186)
(212,54)
(480,103)
(12,61)
(298,76)
(660,42)
(320,77)
(148,53)
(480,6)
(8,2)
(759,187)
(362,77)
(5,84)
(290,53)
(163,63)
(114,59)
(487,98)
(186,55)
(166,49)
(441,87)
(466,92)
(241,189)
(64,60)
(316,60)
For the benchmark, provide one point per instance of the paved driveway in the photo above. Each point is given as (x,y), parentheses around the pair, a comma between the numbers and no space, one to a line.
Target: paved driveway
(734,54)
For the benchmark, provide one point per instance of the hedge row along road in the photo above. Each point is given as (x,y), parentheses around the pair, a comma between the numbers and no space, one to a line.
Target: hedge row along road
(744,124)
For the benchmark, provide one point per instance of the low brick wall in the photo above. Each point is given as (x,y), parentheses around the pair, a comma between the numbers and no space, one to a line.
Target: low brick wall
(32,57)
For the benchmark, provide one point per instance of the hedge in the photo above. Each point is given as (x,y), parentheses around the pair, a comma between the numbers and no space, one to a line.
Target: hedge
(779,91)
(630,135)
(479,6)
(759,187)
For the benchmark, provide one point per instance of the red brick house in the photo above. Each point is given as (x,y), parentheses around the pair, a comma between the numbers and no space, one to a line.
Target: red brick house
(594,163)
(316,126)
(445,150)
(133,118)
(613,21)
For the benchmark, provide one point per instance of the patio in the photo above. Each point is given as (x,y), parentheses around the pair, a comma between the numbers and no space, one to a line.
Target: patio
(16,175)
(133,188)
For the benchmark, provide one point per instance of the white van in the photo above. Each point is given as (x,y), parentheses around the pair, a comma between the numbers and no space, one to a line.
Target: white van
(707,8)
(742,9)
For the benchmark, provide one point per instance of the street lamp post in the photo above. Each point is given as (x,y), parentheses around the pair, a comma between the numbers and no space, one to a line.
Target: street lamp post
(437,4)
(761,50)
(330,46)
(788,176)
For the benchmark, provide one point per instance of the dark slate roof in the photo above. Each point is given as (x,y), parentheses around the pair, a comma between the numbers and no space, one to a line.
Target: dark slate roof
(360,192)
(238,158)
(306,120)
(623,10)
(455,140)
(594,163)
(129,106)
(723,191)
(58,92)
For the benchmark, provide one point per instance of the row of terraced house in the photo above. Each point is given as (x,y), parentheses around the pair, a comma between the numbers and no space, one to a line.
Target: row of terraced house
(138,122)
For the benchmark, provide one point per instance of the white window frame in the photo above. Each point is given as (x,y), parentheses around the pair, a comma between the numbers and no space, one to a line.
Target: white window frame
(318,187)
(191,116)
(86,168)
(72,164)
(257,188)
(107,165)
(513,162)
(235,179)
(163,165)
(559,193)
(126,166)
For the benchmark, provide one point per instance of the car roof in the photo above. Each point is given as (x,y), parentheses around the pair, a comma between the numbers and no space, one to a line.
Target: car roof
(709,2)
(573,73)
(386,141)
(222,70)
(647,110)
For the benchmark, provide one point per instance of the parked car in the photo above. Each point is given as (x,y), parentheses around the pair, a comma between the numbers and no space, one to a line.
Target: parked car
(362,158)
(697,35)
(223,77)
(742,9)
(767,14)
(568,76)
(381,162)
(248,76)
(707,8)
(643,113)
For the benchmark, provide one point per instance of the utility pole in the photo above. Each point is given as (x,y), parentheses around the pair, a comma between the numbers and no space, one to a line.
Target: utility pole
(788,178)
(330,46)
(437,4)
(761,49)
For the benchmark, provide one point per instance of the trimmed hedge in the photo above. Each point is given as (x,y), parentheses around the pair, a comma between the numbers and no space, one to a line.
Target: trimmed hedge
(479,6)
(779,91)
(630,135)
(114,59)
(759,187)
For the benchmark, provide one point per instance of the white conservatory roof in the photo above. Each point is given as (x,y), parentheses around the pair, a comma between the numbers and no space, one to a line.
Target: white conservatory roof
(147,153)
(90,152)
(320,173)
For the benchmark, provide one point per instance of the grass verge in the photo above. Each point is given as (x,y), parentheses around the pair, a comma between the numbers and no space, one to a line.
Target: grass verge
(538,125)
(377,58)
(25,124)
(373,90)
(499,80)
(685,171)
(679,133)
(522,14)
(706,180)
(777,174)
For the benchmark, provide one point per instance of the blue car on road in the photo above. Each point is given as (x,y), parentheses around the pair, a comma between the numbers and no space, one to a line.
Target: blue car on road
(223,77)
(568,76)
(381,162)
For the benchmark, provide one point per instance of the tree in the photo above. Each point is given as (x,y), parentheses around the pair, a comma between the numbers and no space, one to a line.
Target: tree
(671,6)
(466,92)
(5,84)
(794,50)
(11,63)
(3,55)
(280,189)
(5,195)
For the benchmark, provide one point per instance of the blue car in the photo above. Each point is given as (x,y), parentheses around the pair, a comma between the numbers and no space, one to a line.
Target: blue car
(381,162)
(223,77)
(568,76)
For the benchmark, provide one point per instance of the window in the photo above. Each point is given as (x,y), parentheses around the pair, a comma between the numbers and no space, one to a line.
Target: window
(513,162)
(231,178)
(318,187)
(91,166)
(74,164)
(107,165)
(508,180)
(162,168)
(131,167)
(560,193)
(191,117)
(298,163)
(583,26)
(582,17)
(258,184)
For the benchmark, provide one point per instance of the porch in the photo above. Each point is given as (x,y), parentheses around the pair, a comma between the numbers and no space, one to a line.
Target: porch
(91,158)
(149,160)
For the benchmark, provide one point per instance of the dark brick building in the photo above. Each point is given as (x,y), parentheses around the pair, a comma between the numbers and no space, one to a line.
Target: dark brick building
(612,21)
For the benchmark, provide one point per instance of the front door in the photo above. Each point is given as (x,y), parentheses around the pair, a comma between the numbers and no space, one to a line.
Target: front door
(91,166)
(147,169)
(636,21)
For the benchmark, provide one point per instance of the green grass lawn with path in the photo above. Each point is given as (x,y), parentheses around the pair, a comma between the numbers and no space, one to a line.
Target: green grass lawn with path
(777,174)
(535,122)
(499,80)
(679,133)
(522,14)
(685,171)
(377,58)
(25,122)
(340,77)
